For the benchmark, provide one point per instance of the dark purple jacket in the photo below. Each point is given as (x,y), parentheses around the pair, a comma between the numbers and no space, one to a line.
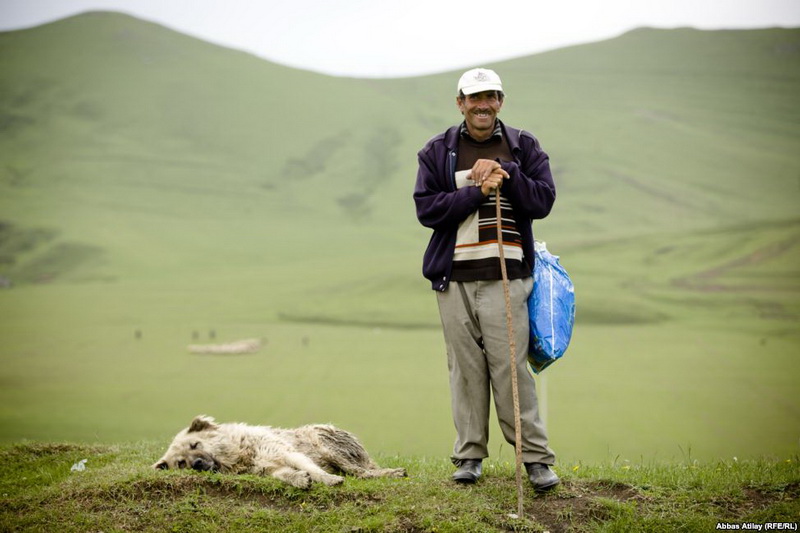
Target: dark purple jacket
(441,207)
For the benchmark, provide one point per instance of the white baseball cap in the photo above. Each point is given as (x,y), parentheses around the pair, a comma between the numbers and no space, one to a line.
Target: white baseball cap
(479,80)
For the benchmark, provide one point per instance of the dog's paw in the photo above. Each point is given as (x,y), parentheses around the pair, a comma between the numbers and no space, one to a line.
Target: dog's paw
(332,480)
(301,480)
(397,472)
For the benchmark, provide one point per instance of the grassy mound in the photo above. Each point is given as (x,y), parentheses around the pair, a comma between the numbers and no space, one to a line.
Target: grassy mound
(118,491)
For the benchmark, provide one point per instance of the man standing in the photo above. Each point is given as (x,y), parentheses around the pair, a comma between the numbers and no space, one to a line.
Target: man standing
(460,171)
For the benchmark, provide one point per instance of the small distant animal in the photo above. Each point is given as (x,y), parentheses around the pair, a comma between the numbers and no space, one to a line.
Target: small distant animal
(299,456)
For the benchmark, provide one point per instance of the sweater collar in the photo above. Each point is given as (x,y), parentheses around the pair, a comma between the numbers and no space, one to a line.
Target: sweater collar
(512,135)
(464,131)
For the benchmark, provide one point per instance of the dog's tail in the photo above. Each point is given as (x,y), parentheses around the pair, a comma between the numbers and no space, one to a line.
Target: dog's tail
(346,444)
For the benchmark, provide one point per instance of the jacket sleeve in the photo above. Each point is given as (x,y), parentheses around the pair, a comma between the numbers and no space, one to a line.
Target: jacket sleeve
(439,204)
(530,187)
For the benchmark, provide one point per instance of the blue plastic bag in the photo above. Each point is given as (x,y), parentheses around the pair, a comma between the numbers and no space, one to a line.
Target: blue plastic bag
(551,310)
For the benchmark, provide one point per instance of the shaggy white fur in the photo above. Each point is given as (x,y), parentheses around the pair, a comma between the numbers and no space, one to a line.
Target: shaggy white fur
(296,456)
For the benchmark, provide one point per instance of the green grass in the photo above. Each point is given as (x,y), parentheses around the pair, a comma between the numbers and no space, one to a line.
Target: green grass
(152,182)
(118,491)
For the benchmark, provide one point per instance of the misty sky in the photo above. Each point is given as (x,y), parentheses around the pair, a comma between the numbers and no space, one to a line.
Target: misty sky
(369,38)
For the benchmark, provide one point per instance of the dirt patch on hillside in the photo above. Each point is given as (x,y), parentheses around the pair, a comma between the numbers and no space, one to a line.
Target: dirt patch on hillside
(578,503)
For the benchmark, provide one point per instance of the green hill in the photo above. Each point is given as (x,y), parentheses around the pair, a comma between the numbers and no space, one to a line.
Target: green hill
(118,491)
(154,187)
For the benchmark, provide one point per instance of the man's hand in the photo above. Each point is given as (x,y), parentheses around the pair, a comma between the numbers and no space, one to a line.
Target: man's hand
(488,175)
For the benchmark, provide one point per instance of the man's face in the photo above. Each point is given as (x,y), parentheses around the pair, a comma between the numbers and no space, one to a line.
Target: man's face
(480,111)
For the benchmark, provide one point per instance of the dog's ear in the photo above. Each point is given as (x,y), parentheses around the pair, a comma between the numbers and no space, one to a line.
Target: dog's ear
(161,465)
(200,423)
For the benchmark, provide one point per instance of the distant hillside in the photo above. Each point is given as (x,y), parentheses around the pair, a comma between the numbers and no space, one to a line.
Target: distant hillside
(114,122)
(114,127)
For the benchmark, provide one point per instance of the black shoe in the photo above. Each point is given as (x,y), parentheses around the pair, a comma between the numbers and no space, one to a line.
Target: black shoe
(468,471)
(541,476)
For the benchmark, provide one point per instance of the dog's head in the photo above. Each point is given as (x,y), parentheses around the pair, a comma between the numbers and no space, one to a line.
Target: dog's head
(190,448)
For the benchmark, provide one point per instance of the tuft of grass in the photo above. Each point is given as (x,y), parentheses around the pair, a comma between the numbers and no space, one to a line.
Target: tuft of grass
(119,491)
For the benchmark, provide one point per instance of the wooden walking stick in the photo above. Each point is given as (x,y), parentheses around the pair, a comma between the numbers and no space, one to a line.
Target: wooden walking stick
(513,357)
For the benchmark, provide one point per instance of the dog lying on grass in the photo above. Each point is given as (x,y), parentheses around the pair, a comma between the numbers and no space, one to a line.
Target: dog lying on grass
(296,456)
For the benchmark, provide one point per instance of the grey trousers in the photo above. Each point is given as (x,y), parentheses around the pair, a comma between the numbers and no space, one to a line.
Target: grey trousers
(474,322)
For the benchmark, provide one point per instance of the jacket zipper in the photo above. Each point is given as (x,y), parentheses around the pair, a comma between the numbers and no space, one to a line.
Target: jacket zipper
(451,168)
